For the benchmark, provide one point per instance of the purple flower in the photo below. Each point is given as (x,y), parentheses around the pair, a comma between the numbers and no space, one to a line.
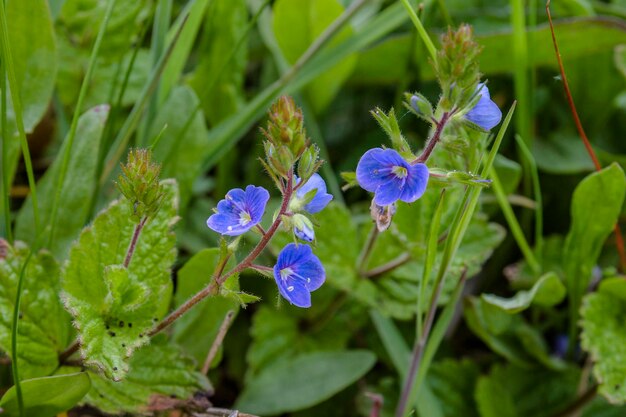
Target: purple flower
(298,272)
(485,113)
(321,197)
(240,211)
(303,228)
(385,173)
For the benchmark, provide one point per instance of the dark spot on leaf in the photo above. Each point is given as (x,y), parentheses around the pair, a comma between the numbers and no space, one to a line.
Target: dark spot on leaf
(121,323)
(154,319)
(140,334)
(130,324)
(123,344)
(115,368)
(112,334)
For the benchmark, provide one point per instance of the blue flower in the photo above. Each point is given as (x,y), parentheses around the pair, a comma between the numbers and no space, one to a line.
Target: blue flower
(303,228)
(298,272)
(240,211)
(485,113)
(321,197)
(385,173)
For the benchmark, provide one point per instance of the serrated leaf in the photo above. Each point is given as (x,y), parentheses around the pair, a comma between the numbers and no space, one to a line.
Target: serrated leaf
(159,368)
(300,382)
(48,396)
(453,382)
(196,330)
(604,337)
(113,306)
(44,325)
(297,23)
(77,189)
(547,291)
(180,147)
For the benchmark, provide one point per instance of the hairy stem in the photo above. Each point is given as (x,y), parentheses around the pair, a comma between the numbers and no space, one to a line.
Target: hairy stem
(219,339)
(389,266)
(432,142)
(133,242)
(216,283)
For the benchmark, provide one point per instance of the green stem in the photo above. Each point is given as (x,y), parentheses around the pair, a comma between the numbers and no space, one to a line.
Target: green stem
(14,334)
(421,30)
(514,225)
(6,187)
(366,251)
(7,59)
(84,88)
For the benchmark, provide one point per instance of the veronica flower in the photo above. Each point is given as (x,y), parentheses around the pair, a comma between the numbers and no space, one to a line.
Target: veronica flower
(303,228)
(298,272)
(390,177)
(240,211)
(321,197)
(485,113)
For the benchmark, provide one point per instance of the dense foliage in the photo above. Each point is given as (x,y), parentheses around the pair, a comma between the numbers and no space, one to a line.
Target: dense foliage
(312,208)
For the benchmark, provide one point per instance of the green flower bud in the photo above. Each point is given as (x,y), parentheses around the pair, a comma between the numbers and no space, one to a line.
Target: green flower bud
(139,183)
(308,163)
(285,126)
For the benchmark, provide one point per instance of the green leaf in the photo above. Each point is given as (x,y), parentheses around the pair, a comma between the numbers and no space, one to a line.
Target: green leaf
(159,368)
(196,330)
(453,383)
(34,51)
(48,396)
(604,337)
(297,23)
(44,325)
(596,205)
(547,291)
(79,184)
(114,306)
(510,391)
(562,153)
(224,24)
(303,381)
(181,145)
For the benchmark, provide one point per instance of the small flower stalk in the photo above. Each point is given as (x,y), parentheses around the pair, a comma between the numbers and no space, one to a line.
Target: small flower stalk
(465,107)
(292,163)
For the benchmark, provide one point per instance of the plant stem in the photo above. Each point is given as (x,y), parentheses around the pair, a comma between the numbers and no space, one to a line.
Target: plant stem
(619,242)
(364,256)
(389,266)
(418,348)
(579,403)
(420,29)
(216,283)
(432,142)
(133,242)
(219,338)
(6,187)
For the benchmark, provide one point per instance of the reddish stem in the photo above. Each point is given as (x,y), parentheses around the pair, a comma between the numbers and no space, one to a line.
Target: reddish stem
(619,242)
(430,146)
(133,242)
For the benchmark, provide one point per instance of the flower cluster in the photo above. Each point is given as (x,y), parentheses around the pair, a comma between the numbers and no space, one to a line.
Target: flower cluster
(297,271)
(399,175)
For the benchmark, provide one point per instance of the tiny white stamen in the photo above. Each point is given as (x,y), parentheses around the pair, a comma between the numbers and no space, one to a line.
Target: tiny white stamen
(290,288)
(229,228)
(400,172)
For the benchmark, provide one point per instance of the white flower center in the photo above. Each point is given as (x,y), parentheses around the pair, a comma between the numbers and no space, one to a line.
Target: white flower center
(399,172)
(244,218)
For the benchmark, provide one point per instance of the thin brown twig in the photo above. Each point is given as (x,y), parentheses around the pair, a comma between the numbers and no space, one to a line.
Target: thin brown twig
(219,339)
(389,266)
(619,241)
(579,403)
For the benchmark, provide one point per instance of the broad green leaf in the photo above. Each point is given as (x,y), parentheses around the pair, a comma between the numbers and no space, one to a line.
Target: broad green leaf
(604,337)
(34,53)
(80,181)
(303,381)
(114,306)
(196,330)
(596,205)
(224,24)
(180,147)
(157,369)
(44,325)
(547,291)
(289,332)
(562,153)
(297,23)
(510,391)
(48,396)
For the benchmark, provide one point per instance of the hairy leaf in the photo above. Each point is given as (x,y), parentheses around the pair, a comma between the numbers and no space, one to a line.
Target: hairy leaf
(114,306)
(44,325)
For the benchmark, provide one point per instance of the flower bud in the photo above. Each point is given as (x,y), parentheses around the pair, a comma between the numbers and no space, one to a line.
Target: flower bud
(303,228)
(308,163)
(286,126)
(139,183)
(382,215)
(419,105)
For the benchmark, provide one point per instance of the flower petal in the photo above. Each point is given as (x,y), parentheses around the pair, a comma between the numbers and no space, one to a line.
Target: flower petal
(239,211)
(296,293)
(256,199)
(388,193)
(415,184)
(303,273)
(485,113)
(374,167)
(321,197)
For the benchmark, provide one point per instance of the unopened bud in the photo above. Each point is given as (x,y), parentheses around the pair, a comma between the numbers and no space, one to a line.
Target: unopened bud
(139,183)
(303,228)
(308,163)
